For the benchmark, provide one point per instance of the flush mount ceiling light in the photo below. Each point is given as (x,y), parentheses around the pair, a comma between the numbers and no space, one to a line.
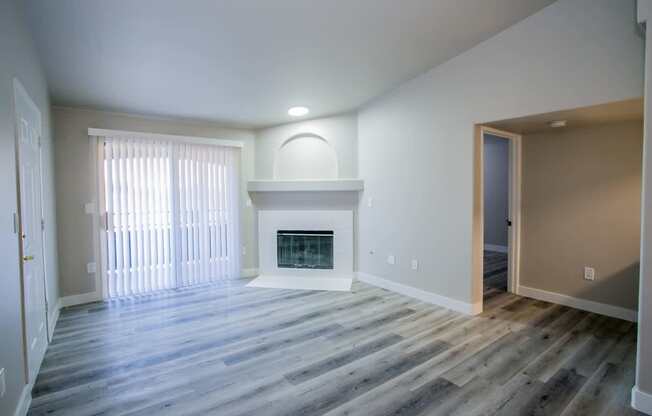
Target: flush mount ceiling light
(298,111)
(557,123)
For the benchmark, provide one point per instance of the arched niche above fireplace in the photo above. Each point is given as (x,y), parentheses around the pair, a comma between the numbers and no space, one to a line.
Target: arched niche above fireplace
(305,156)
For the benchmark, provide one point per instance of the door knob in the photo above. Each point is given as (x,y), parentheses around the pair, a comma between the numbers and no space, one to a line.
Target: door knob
(28,258)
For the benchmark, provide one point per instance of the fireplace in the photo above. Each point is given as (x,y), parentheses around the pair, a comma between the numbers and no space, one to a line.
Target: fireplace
(304,249)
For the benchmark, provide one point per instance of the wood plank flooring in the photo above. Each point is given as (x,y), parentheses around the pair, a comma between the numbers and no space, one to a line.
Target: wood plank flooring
(495,270)
(226,349)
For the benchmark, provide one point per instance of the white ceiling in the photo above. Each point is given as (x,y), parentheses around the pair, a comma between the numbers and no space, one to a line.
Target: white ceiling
(246,62)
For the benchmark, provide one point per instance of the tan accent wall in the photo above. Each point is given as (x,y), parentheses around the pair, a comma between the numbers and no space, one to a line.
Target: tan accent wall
(581,202)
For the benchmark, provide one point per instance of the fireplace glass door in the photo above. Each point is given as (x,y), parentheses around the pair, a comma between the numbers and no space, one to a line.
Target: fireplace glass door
(304,249)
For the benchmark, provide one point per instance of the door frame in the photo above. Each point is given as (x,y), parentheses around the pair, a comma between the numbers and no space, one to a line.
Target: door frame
(20,91)
(514,204)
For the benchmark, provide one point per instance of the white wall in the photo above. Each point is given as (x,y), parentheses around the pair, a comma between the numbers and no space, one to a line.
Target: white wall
(416,144)
(339,131)
(496,190)
(75,183)
(19,60)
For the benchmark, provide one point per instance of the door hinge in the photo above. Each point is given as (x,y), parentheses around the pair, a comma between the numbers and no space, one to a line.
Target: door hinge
(39,141)
(42,224)
(15,223)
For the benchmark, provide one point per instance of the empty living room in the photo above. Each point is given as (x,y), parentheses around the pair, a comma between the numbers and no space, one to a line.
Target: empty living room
(325,207)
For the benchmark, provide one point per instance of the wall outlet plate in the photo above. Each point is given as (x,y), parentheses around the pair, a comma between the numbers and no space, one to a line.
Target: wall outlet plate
(589,273)
(91,268)
(370,202)
(415,264)
(3,384)
(391,259)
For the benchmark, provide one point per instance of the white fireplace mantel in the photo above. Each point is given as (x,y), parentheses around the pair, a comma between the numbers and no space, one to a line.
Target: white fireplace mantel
(309,204)
(330,185)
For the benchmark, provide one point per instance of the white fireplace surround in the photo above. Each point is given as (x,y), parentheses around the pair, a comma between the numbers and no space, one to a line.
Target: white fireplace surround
(338,221)
(307,194)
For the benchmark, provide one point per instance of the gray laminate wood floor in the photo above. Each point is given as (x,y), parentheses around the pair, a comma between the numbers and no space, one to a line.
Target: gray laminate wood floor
(495,270)
(226,349)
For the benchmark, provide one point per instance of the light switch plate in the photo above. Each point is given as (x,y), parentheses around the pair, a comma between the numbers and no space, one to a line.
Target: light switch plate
(589,273)
(391,259)
(89,208)
(415,264)
(370,202)
(91,268)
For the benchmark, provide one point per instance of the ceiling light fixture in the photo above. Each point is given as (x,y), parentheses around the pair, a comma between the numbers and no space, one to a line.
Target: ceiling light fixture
(298,111)
(557,123)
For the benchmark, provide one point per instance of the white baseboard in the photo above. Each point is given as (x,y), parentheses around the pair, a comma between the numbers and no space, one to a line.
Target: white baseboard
(494,247)
(24,402)
(54,317)
(577,303)
(250,272)
(422,295)
(80,299)
(641,401)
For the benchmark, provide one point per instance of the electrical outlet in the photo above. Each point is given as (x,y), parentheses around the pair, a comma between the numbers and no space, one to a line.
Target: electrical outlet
(3,384)
(370,202)
(415,264)
(248,202)
(91,268)
(589,273)
(244,250)
(391,259)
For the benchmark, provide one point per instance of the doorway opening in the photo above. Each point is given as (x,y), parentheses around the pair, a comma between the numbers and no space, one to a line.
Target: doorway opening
(496,246)
(498,173)
(496,212)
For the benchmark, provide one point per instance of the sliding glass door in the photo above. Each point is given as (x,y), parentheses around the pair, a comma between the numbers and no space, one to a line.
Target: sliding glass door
(170,214)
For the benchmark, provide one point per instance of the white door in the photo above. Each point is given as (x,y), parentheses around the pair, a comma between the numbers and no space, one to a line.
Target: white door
(28,132)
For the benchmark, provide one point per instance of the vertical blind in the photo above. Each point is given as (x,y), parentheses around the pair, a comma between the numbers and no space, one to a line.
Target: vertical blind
(171,214)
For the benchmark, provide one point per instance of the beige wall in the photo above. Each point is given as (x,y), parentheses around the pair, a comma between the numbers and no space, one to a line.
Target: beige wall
(19,60)
(581,204)
(74,183)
